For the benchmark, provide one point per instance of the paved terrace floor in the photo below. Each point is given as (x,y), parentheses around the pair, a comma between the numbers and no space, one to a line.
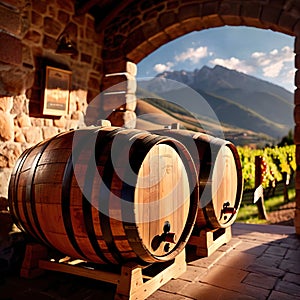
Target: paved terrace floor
(260,262)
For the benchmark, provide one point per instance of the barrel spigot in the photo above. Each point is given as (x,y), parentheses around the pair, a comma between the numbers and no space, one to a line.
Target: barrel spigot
(227,209)
(168,236)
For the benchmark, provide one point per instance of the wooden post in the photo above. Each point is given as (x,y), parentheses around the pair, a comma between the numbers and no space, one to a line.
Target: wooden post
(262,214)
(285,178)
(208,241)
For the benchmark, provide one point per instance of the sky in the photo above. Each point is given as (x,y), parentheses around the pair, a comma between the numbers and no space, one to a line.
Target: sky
(265,54)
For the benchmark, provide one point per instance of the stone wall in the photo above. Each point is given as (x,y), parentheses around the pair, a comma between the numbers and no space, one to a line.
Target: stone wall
(19,131)
(29,30)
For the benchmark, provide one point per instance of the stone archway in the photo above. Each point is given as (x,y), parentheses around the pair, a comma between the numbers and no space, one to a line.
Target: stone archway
(143,26)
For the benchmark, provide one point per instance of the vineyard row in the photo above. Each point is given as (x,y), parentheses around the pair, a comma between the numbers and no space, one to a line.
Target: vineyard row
(277,163)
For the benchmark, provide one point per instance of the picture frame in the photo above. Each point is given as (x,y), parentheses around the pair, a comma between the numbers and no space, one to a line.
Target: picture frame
(56,94)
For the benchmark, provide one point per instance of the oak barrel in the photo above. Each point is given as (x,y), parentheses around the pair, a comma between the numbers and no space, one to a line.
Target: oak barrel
(219,173)
(107,195)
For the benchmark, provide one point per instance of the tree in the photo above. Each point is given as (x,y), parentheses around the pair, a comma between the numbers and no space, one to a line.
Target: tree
(287,140)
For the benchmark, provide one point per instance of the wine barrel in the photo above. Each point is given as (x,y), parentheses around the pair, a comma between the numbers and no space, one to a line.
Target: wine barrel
(107,195)
(219,174)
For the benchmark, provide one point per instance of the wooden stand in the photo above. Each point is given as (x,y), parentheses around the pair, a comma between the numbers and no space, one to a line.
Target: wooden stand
(209,241)
(132,281)
(30,266)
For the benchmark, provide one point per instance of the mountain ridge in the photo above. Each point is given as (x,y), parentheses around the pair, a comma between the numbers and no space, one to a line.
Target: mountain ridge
(237,99)
(217,70)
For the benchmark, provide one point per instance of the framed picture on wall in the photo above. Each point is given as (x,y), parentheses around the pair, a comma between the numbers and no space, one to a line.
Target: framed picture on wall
(57,91)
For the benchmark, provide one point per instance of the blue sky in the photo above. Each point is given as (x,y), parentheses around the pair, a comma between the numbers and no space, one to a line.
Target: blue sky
(262,53)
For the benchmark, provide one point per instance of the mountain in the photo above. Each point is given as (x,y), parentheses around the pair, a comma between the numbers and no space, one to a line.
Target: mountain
(236,99)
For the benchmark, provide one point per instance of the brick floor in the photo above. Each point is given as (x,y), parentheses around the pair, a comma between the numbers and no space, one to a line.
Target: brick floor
(260,280)
(260,262)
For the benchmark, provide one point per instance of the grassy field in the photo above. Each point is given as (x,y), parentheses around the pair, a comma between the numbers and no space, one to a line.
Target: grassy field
(248,213)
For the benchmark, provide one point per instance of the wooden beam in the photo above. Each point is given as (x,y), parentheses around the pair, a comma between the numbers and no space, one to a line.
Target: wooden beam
(73,269)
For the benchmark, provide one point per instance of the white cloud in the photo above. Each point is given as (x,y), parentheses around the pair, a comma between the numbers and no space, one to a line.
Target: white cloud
(273,69)
(288,50)
(274,52)
(159,68)
(234,64)
(192,54)
(257,54)
(272,63)
(260,59)
(289,76)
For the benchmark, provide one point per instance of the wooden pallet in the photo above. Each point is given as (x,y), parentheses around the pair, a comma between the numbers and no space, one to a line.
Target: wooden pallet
(208,241)
(133,281)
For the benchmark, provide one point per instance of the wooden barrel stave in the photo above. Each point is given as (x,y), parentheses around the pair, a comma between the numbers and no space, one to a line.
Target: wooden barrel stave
(24,201)
(78,203)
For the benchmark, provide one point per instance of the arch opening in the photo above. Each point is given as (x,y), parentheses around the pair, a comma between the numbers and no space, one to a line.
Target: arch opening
(165,22)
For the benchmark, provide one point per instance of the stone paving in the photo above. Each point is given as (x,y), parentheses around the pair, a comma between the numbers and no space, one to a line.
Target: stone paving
(260,262)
